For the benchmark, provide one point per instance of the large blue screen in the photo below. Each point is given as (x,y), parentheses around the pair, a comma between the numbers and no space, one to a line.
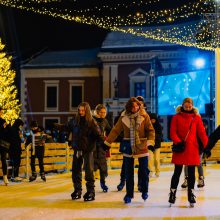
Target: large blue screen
(172,89)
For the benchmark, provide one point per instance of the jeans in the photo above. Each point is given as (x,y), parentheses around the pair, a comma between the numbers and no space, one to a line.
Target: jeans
(129,174)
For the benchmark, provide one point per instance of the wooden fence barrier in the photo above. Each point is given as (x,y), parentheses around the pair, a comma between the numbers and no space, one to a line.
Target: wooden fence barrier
(58,158)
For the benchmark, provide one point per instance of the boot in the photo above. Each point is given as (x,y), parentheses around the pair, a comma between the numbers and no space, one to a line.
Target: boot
(172,196)
(191,197)
(89,196)
(76,194)
(33,177)
(185,183)
(43,177)
(201,182)
(5,179)
(103,186)
(144,196)
(127,199)
(121,185)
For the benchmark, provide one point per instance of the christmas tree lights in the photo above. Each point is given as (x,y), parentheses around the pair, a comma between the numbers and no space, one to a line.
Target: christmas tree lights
(8,91)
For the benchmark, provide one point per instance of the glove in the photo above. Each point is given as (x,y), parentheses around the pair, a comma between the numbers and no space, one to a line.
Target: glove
(150,147)
(105,147)
(70,143)
(207,153)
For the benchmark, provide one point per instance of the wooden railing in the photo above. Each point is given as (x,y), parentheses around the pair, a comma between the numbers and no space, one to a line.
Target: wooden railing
(58,157)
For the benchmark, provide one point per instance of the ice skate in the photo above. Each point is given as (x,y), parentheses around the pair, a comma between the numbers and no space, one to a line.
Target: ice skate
(5,179)
(127,199)
(76,195)
(89,196)
(172,196)
(33,177)
(185,183)
(43,177)
(191,198)
(144,196)
(201,182)
(103,186)
(121,185)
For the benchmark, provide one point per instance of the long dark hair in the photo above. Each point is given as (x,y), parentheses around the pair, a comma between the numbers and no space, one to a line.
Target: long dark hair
(129,105)
(88,113)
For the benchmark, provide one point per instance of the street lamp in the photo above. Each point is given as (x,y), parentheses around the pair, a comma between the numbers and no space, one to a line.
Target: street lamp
(151,89)
(115,83)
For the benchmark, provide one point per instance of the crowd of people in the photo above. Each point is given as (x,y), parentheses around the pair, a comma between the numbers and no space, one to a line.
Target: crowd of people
(139,133)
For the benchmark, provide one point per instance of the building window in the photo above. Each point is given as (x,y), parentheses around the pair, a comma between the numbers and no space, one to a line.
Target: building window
(140,89)
(139,83)
(76,93)
(51,95)
(49,122)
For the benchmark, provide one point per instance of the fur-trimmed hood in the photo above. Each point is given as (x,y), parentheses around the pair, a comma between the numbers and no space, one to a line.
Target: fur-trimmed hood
(179,109)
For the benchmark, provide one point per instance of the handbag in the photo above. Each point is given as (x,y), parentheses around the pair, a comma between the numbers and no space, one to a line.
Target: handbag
(125,147)
(180,146)
(4,145)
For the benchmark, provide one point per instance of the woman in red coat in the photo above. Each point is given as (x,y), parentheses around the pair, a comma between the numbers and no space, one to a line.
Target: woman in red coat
(186,121)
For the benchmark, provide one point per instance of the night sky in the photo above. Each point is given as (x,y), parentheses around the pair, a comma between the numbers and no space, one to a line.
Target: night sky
(37,32)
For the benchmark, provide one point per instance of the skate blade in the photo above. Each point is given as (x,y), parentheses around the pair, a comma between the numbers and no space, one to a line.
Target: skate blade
(88,200)
(191,205)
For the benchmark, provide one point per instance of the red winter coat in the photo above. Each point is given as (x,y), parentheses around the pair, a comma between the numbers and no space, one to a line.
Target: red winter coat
(179,127)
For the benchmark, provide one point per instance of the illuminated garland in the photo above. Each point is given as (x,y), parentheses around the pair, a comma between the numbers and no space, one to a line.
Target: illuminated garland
(191,35)
(8,91)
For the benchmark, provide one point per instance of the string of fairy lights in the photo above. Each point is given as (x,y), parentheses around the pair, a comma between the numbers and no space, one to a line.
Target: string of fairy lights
(140,22)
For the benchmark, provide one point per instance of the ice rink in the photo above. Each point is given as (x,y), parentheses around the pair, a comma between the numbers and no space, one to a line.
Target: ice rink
(51,200)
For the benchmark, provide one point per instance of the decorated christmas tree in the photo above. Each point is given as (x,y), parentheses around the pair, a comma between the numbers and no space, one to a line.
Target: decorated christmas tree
(8,91)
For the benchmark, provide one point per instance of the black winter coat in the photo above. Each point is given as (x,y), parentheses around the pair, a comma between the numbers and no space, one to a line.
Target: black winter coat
(84,136)
(213,138)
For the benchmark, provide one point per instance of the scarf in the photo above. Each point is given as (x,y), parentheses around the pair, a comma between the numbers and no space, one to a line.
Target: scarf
(134,134)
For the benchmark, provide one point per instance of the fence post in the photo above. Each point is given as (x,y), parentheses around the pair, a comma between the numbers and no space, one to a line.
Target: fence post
(67,158)
(27,161)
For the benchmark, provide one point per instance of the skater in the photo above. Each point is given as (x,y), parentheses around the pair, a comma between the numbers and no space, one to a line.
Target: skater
(15,149)
(121,185)
(154,157)
(138,135)
(37,140)
(185,126)
(84,132)
(213,138)
(4,145)
(100,161)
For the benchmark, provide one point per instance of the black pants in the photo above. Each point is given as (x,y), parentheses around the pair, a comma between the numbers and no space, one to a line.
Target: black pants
(176,176)
(3,154)
(39,153)
(88,160)
(100,163)
(15,158)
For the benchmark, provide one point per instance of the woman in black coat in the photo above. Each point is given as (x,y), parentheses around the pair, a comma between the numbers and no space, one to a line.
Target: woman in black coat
(100,162)
(4,133)
(15,148)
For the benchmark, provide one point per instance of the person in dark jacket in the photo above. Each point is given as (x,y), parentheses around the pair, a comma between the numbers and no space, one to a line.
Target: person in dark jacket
(100,162)
(213,138)
(15,148)
(84,132)
(4,136)
(37,140)
(154,157)
(186,125)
